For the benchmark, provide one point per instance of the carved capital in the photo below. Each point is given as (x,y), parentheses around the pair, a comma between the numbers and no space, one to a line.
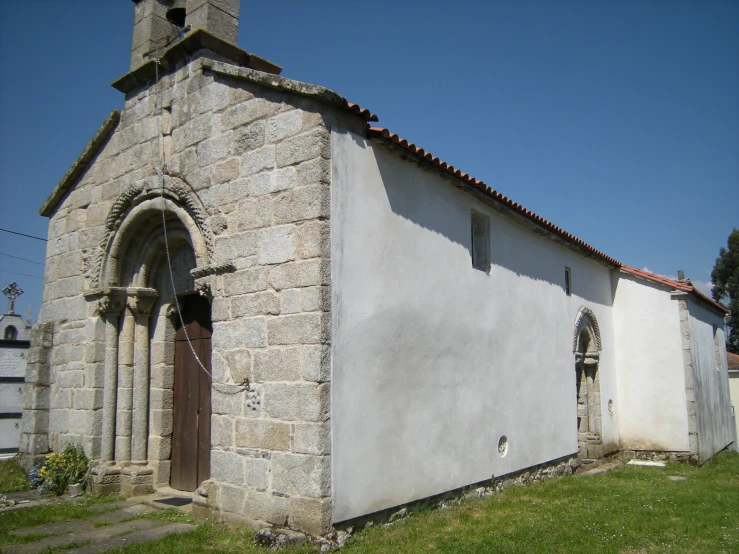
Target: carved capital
(171,312)
(203,286)
(587,358)
(141,301)
(110,302)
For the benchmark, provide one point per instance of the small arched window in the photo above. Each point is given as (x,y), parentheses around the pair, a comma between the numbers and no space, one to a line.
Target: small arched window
(11,333)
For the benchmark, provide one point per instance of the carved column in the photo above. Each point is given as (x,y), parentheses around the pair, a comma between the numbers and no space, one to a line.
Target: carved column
(110,306)
(140,303)
(125,388)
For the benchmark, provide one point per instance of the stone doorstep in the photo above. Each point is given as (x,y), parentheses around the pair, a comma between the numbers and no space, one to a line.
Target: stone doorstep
(84,533)
(60,527)
(647,463)
(163,493)
(599,469)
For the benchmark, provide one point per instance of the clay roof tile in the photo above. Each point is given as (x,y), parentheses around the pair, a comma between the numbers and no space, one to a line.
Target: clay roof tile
(380,132)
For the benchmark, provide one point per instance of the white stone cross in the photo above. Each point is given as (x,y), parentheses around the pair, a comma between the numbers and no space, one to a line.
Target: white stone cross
(12,291)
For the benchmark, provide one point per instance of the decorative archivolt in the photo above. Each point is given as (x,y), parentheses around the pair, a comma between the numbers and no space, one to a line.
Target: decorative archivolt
(176,195)
(586,320)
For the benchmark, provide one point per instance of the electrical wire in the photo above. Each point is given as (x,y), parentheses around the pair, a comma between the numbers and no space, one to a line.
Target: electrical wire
(19,273)
(17,258)
(23,235)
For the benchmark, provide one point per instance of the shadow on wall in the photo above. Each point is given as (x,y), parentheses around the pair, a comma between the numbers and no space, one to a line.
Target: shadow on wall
(432,201)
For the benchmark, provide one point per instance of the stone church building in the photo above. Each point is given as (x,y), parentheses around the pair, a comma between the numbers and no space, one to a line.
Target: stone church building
(254,295)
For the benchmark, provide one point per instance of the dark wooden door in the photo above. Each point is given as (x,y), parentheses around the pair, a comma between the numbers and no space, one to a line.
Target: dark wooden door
(191,408)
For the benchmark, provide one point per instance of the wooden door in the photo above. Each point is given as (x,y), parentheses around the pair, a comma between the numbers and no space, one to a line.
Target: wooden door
(191,405)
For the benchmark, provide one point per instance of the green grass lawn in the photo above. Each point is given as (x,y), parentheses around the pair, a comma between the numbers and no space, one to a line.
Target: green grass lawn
(630,509)
(12,477)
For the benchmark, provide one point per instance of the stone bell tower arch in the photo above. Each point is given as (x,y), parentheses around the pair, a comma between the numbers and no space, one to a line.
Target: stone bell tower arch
(160,23)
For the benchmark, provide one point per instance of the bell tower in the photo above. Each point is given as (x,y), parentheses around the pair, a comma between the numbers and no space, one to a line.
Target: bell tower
(159,23)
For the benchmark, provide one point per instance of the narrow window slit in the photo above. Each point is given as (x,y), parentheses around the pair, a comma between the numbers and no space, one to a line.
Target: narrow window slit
(480,231)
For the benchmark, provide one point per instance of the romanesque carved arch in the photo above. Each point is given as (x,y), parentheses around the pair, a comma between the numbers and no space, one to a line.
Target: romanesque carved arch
(141,230)
(131,206)
(586,322)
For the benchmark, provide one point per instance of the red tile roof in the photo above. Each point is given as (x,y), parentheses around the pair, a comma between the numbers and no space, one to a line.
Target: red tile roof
(679,285)
(733,360)
(384,134)
(361,112)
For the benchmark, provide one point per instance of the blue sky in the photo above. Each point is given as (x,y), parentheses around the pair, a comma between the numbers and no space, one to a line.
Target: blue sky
(618,121)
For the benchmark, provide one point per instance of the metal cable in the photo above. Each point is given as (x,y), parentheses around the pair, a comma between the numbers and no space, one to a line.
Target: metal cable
(245,386)
(164,228)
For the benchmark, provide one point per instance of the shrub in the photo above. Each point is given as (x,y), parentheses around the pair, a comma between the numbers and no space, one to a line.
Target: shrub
(61,469)
(34,478)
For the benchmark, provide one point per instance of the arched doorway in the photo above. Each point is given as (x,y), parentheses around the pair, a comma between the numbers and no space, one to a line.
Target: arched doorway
(156,405)
(587,347)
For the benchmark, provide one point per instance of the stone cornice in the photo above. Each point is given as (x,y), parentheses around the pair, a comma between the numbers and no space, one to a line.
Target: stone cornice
(212,269)
(181,50)
(112,300)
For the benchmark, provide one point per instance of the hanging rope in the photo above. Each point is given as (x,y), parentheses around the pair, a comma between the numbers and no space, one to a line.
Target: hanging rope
(160,173)
(160,168)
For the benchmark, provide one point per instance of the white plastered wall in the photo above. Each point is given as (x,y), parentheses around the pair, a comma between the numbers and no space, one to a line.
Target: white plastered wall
(711,380)
(432,360)
(734,396)
(652,403)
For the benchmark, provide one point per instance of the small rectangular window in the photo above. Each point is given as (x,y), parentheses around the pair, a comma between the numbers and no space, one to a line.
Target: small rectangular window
(568,281)
(480,229)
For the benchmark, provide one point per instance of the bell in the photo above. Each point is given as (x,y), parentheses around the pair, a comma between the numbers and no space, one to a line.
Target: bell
(177,13)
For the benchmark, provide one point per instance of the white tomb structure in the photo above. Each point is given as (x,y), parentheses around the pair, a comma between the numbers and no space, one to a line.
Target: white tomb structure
(15,337)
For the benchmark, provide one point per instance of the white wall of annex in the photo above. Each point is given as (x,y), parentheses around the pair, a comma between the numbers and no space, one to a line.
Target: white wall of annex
(710,380)
(734,396)
(652,402)
(432,360)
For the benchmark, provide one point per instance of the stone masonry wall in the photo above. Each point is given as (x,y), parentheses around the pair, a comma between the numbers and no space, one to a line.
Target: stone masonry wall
(259,161)
(36,397)
(689,376)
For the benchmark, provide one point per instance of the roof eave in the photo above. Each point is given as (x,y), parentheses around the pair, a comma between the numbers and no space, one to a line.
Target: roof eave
(82,162)
(494,198)
(676,286)
(316,92)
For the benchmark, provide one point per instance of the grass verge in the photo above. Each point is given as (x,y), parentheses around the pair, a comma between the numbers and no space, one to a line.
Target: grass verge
(628,510)
(12,477)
